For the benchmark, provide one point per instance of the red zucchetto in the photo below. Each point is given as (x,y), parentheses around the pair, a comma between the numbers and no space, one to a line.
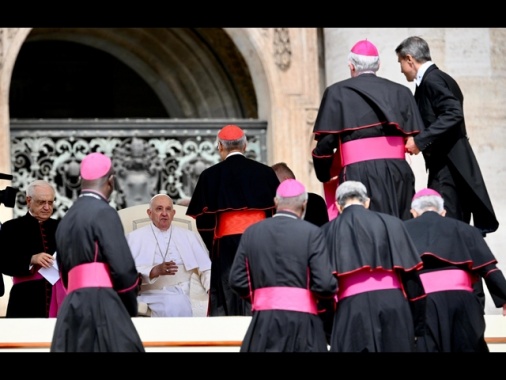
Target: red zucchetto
(230,132)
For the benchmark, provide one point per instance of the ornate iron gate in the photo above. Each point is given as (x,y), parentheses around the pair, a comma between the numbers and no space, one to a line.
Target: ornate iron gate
(150,156)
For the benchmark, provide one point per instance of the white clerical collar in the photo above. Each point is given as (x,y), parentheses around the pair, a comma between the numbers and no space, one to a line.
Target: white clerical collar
(233,154)
(158,230)
(421,71)
(353,203)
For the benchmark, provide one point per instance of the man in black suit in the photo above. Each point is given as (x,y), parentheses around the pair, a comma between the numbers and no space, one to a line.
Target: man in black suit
(453,170)
(316,209)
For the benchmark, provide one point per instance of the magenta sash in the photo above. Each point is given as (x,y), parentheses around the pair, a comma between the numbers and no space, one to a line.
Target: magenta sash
(366,280)
(89,275)
(442,280)
(58,293)
(372,148)
(35,276)
(284,298)
(329,190)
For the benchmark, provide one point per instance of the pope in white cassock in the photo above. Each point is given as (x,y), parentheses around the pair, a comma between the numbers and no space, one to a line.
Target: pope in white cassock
(166,256)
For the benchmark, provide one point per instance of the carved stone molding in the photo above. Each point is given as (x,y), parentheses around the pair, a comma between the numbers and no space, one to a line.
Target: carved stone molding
(282,48)
(6,36)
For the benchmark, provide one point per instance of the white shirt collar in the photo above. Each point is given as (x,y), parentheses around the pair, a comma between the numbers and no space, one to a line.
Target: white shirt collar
(421,71)
(233,154)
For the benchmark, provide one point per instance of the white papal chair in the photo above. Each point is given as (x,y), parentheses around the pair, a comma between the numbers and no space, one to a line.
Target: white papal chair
(136,216)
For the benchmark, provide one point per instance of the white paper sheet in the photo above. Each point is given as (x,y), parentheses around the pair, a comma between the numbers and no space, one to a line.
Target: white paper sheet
(51,274)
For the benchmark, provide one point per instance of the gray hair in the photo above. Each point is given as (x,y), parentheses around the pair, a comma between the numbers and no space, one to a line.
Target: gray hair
(428,203)
(351,190)
(416,47)
(228,145)
(291,202)
(30,190)
(364,63)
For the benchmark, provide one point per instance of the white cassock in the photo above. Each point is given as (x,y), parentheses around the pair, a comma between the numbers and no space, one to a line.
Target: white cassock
(169,295)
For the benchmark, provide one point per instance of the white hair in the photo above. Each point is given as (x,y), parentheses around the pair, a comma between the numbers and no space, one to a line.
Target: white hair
(30,190)
(428,203)
(364,62)
(350,190)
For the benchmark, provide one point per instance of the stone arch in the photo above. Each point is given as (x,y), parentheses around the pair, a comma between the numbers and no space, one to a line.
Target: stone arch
(196,73)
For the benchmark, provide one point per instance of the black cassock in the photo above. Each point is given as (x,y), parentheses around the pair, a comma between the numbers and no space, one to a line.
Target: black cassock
(20,239)
(236,183)
(363,107)
(96,319)
(381,320)
(455,320)
(283,251)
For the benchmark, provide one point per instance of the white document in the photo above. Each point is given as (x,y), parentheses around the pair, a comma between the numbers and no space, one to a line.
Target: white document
(51,274)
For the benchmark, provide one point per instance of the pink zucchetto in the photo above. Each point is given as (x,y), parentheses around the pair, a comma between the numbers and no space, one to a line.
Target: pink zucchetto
(426,192)
(290,188)
(365,47)
(230,132)
(94,166)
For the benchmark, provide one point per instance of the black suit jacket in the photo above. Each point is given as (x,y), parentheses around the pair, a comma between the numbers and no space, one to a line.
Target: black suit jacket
(316,210)
(444,142)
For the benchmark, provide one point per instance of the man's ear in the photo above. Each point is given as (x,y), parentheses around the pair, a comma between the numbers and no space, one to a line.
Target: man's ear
(414,213)
(112,181)
(443,213)
(352,69)
(367,203)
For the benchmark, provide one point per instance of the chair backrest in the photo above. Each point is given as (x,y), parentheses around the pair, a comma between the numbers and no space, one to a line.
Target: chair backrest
(136,216)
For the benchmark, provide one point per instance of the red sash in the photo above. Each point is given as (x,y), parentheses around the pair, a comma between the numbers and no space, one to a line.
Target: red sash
(235,222)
